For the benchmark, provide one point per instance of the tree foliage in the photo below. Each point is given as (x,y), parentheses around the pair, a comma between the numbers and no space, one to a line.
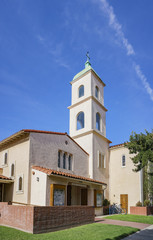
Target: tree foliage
(141,145)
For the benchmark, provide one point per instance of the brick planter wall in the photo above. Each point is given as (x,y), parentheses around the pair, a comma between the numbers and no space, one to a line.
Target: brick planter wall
(141,210)
(36,219)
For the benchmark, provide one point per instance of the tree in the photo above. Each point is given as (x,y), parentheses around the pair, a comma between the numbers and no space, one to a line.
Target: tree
(141,145)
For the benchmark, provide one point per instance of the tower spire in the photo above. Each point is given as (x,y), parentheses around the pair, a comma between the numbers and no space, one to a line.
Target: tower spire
(87,63)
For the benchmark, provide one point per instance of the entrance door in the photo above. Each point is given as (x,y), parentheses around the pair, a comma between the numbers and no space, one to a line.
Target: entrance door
(69,195)
(0,192)
(124,201)
(84,196)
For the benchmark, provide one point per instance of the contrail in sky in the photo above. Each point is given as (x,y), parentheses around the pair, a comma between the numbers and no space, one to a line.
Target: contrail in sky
(117,27)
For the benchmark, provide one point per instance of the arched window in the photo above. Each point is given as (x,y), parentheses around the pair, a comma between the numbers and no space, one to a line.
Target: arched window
(97,92)
(98,121)
(20,183)
(80,120)
(123,161)
(81,91)
(5,158)
(12,170)
(64,161)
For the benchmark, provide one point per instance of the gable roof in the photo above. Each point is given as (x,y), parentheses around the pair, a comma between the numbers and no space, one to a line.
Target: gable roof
(25,133)
(50,172)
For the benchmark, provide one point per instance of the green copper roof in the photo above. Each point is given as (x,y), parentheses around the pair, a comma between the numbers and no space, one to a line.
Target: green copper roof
(86,69)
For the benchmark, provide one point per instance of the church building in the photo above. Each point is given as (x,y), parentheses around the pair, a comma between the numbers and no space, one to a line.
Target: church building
(47,168)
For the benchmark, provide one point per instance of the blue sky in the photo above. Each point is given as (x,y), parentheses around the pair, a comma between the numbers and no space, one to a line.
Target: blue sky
(43,45)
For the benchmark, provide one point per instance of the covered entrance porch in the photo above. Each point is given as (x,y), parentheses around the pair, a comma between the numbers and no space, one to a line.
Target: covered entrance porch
(5,189)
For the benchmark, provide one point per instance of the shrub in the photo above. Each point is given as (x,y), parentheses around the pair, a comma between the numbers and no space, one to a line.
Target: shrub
(146,203)
(139,204)
(106,202)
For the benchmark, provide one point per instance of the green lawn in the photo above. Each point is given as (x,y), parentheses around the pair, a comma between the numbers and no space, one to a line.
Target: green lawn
(93,231)
(132,218)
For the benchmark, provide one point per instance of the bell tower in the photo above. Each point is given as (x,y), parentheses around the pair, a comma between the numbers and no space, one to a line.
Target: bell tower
(88,119)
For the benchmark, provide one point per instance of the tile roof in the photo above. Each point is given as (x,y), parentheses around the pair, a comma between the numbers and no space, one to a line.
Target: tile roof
(117,145)
(41,131)
(64,174)
(5,178)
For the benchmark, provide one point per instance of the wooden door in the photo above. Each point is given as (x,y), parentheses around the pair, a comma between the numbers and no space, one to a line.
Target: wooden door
(84,196)
(69,195)
(124,201)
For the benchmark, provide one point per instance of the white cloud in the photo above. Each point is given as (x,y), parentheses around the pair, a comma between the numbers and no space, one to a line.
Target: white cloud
(144,80)
(114,24)
(117,27)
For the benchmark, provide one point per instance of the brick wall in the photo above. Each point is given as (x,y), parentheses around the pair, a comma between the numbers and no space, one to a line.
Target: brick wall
(36,219)
(141,210)
(53,218)
(20,217)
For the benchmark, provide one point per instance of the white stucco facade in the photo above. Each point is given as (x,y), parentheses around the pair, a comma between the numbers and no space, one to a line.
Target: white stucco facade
(81,166)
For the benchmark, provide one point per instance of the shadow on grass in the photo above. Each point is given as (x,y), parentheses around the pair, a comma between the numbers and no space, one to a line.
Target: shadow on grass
(121,236)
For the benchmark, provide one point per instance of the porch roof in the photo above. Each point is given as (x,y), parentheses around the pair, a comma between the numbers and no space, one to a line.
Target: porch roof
(4,179)
(50,172)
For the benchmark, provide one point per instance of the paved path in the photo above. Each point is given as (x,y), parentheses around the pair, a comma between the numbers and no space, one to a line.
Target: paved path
(145,233)
(122,223)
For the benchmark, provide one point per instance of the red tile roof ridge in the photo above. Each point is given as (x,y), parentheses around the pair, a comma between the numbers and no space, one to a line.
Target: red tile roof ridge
(42,131)
(52,171)
(117,145)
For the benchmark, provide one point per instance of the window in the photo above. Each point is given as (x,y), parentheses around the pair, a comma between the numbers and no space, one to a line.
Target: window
(64,161)
(123,161)
(20,183)
(98,118)
(80,120)
(12,170)
(5,158)
(59,159)
(81,91)
(97,92)
(69,163)
(101,160)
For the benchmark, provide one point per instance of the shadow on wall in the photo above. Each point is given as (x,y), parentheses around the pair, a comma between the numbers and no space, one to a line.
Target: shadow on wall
(8,192)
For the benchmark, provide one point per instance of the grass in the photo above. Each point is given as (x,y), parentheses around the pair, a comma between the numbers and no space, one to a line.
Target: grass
(95,231)
(132,218)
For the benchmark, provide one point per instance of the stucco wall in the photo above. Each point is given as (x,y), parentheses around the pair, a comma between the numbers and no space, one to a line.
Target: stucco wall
(86,81)
(19,155)
(101,174)
(85,107)
(86,142)
(122,179)
(44,152)
(38,188)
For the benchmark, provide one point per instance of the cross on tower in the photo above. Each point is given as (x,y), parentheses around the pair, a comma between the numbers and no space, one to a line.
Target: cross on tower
(87,54)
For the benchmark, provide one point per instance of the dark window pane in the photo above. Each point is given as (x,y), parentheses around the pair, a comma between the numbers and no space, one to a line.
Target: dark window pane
(64,161)
(81,91)
(80,120)
(98,121)
(59,156)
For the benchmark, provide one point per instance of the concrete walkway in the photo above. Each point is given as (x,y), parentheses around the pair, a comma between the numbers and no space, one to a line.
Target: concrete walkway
(145,233)
(122,223)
